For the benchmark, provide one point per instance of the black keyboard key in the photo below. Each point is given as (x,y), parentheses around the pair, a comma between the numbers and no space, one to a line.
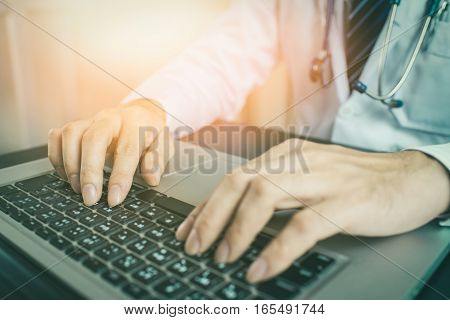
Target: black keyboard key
(48,216)
(62,224)
(36,208)
(225,267)
(298,275)
(64,205)
(251,254)
(142,246)
(136,292)
(53,198)
(170,221)
(41,192)
(92,241)
(207,279)
(148,274)
(317,262)
(60,243)
(35,183)
(94,264)
(173,205)
(92,220)
(107,210)
(152,213)
(128,262)
(77,212)
(240,274)
(7,208)
(124,217)
(109,252)
(124,236)
(76,253)
(135,188)
(159,233)
(7,189)
(141,225)
(195,295)
(107,227)
(279,288)
(45,233)
(19,216)
(174,244)
(149,195)
(183,267)
(25,202)
(14,196)
(161,256)
(113,277)
(57,184)
(232,291)
(136,205)
(77,232)
(31,224)
(171,288)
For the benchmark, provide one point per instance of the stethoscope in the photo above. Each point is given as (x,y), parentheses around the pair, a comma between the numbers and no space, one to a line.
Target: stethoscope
(317,68)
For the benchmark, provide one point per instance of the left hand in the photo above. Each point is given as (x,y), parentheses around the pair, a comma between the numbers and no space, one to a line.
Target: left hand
(360,193)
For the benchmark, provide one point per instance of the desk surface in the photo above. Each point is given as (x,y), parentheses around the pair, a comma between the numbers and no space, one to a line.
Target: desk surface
(46,286)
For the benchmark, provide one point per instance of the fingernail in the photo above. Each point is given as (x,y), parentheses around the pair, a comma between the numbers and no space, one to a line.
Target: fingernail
(193,243)
(89,194)
(183,229)
(75,182)
(222,252)
(114,195)
(257,270)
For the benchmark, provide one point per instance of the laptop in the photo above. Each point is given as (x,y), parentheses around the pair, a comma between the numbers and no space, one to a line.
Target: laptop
(130,251)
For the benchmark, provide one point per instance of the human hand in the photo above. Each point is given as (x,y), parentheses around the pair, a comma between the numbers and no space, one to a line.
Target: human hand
(349,191)
(131,134)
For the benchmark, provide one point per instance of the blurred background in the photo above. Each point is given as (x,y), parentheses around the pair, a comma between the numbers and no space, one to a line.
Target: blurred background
(43,84)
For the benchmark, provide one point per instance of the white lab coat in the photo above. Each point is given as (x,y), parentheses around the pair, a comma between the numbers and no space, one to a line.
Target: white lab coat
(213,77)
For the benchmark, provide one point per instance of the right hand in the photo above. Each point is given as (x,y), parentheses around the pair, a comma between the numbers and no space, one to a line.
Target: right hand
(132,134)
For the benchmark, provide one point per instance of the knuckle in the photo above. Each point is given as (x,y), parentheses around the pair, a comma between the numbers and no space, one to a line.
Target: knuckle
(236,233)
(259,186)
(69,129)
(204,225)
(53,133)
(235,179)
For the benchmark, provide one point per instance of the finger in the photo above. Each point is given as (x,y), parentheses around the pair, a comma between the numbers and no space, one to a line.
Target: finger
(71,150)
(55,151)
(126,160)
(302,232)
(255,210)
(155,158)
(185,227)
(94,143)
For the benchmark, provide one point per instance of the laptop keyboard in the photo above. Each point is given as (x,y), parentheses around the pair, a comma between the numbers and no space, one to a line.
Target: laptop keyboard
(133,246)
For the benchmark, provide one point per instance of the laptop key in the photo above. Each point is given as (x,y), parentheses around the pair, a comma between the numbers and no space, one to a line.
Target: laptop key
(77,232)
(27,201)
(107,210)
(159,233)
(232,291)
(94,264)
(45,233)
(64,205)
(92,220)
(107,227)
(124,217)
(298,275)
(152,213)
(161,256)
(124,236)
(109,252)
(14,196)
(174,244)
(317,262)
(7,208)
(31,224)
(141,225)
(170,221)
(7,189)
(240,274)
(53,198)
(183,267)
(195,295)
(171,288)
(41,192)
(92,241)
(173,205)
(149,195)
(19,216)
(36,208)
(142,246)
(225,267)
(128,263)
(35,183)
(148,274)
(60,243)
(77,212)
(136,291)
(62,224)
(48,216)
(279,288)
(207,279)
(136,205)
(57,184)
(76,253)
(113,277)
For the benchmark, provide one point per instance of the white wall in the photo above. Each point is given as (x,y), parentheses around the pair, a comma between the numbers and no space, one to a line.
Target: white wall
(44,84)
